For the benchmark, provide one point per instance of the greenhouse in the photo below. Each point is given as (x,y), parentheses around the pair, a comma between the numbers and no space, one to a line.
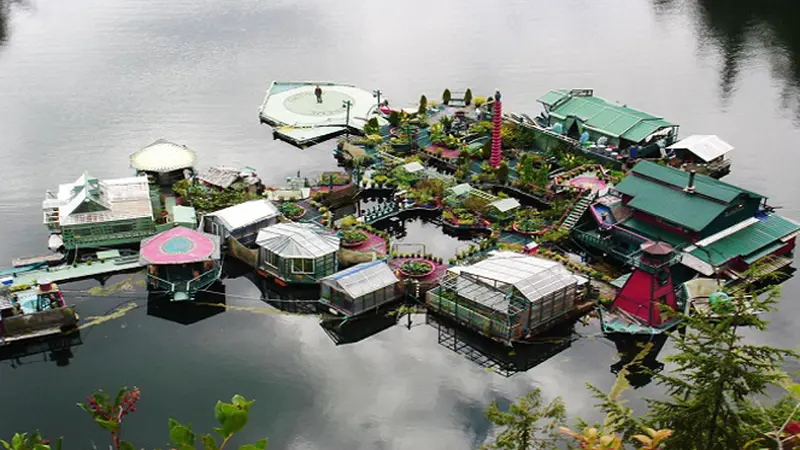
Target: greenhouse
(297,252)
(361,288)
(506,296)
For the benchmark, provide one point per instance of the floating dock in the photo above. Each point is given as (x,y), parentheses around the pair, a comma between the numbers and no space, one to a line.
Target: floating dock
(292,109)
(78,271)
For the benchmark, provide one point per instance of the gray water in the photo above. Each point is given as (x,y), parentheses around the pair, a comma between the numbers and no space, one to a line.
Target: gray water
(84,83)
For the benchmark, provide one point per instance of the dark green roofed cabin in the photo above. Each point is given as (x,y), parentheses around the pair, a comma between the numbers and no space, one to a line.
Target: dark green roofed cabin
(574,111)
(718,227)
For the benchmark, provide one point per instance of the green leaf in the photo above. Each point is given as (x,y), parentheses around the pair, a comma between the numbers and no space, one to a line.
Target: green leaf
(83,407)
(109,425)
(209,443)
(16,441)
(218,411)
(182,435)
(118,399)
(59,443)
(125,445)
(233,419)
(41,447)
(794,389)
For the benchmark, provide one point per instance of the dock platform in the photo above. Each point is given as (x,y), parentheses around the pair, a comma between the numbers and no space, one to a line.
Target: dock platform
(292,109)
(79,271)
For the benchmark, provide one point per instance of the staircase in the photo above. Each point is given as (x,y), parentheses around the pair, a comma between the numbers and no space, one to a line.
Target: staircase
(576,212)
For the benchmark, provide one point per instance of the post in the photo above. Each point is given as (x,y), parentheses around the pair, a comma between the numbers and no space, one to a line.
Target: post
(347,104)
(377,93)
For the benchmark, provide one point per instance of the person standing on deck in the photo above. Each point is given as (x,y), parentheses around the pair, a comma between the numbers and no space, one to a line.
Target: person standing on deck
(318,93)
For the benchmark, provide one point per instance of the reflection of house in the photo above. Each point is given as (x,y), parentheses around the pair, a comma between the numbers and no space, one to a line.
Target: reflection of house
(241,221)
(181,261)
(718,227)
(164,162)
(360,288)
(297,252)
(90,213)
(573,112)
(508,296)
(222,177)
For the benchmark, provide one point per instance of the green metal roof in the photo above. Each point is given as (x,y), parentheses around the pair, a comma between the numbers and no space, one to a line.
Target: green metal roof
(603,116)
(704,185)
(691,211)
(749,242)
(654,232)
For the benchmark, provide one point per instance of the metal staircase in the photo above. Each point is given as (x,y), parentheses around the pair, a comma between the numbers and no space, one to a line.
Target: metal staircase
(577,210)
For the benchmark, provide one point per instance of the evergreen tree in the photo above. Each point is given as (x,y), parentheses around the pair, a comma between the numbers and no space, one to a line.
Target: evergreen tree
(501,173)
(423,105)
(446,96)
(529,423)
(717,374)
(468,97)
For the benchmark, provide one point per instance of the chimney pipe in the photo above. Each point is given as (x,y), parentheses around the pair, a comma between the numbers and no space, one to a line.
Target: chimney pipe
(690,186)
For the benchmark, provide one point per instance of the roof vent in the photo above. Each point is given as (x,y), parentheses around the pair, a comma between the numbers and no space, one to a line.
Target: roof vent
(690,187)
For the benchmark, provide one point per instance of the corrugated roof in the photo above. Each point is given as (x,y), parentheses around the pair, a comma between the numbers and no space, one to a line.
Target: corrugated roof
(747,241)
(533,277)
(505,204)
(654,232)
(220,176)
(362,279)
(604,116)
(704,185)
(163,156)
(247,213)
(298,240)
(413,167)
(706,146)
(674,205)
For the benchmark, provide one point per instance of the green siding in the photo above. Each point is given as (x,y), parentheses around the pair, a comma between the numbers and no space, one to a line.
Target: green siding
(748,241)
(704,185)
(107,234)
(654,232)
(552,97)
(687,210)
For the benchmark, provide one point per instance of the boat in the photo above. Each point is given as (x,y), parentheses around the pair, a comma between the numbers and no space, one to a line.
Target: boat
(707,298)
(35,313)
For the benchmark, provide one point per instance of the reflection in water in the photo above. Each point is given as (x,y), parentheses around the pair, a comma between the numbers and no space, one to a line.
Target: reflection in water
(640,373)
(207,304)
(495,356)
(56,349)
(358,329)
(5,11)
(737,27)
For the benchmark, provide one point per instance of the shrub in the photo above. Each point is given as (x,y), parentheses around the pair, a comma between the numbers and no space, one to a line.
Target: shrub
(423,105)
(372,126)
(468,97)
(446,96)
(479,101)
(394,118)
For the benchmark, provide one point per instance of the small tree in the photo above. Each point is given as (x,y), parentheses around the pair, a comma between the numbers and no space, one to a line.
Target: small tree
(394,118)
(372,126)
(529,423)
(501,173)
(446,97)
(468,97)
(423,105)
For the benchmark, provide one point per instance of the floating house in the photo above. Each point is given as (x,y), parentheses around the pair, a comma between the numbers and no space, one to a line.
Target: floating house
(34,313)
(508,297)
(717,228)
(91,213)
(361,288)
(164,162)
(577,111)
(644,304)
(180,262)
(221,177)
(297,253)
(702,153)
(241,222)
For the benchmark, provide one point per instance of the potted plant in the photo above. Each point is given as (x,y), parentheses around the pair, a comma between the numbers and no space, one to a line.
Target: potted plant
(417,268)
(353,237)
(292,210)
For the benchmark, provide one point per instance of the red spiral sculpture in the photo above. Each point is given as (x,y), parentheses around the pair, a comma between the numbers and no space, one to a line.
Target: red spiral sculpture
(497,139)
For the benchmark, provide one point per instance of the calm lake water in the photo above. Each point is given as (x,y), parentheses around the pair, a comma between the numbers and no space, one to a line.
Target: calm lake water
(84,83)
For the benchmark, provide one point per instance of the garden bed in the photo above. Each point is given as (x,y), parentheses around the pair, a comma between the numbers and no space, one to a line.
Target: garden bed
(438,272)
(417,268)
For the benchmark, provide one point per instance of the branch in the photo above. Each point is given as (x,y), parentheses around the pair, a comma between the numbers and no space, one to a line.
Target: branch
(786,423)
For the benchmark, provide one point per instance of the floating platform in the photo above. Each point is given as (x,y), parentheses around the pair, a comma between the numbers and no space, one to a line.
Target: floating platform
(292,109)
(79,271)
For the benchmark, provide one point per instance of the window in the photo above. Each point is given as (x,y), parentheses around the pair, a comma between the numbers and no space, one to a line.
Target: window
(301,265)
(271,259)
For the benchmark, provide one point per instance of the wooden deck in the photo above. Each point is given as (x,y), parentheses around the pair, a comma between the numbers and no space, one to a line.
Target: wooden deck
(68,272)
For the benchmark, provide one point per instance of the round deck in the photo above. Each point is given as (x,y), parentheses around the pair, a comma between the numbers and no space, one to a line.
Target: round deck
(296,105)
(178,246)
